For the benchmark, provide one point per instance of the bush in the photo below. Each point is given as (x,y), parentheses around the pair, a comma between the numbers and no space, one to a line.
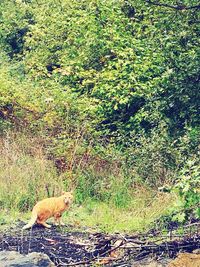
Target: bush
(153,158)
(188,188)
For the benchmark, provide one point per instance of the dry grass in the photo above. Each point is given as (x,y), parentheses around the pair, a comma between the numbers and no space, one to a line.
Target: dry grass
(25,173)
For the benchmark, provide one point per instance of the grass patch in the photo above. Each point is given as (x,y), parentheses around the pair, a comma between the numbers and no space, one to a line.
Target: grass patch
(140,214)
(8,218)
(99,216)
(105,201)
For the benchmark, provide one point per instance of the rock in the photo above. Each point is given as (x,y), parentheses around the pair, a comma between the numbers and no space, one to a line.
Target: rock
(151,263)
(186,260)
(15,259)
(196,251)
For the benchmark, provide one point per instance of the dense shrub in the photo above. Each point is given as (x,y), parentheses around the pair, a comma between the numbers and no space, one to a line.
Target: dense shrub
(104,81)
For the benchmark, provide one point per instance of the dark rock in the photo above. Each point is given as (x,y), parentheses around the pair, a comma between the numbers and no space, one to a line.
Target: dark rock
(15,259)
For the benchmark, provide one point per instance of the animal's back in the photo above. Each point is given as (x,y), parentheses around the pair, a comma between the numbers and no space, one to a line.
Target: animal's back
(47,203)
(49,206)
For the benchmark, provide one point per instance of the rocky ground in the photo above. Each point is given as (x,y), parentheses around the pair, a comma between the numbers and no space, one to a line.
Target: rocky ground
(67,246)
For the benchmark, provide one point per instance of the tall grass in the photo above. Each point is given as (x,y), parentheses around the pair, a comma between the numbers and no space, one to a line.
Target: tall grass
(144,208)
(106,195)
(25,174)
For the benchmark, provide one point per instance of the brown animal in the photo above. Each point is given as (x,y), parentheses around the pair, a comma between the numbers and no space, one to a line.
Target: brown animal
(50,207)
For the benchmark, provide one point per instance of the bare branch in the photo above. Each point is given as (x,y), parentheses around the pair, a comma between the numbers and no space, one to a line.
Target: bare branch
(179,7)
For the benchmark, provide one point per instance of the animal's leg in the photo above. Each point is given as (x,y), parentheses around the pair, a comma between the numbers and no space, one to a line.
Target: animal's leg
(44,224)
(61,222)
(57,218)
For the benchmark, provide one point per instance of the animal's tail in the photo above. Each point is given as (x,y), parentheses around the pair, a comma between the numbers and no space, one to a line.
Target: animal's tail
(32,221)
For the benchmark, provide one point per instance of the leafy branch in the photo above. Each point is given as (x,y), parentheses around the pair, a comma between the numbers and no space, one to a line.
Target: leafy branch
(178,7)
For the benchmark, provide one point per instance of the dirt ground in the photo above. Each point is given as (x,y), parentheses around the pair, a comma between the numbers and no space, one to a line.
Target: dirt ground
(67,246)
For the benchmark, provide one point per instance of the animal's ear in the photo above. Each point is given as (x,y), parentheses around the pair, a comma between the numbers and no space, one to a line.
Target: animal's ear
(71,192)
(63,192)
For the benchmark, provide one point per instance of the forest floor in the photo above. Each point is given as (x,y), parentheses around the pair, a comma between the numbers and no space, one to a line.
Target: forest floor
(67,246)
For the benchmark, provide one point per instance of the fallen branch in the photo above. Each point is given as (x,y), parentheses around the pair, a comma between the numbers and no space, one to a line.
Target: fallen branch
(92,259)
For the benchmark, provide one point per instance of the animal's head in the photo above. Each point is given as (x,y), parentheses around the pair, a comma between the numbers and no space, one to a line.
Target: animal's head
(68,197)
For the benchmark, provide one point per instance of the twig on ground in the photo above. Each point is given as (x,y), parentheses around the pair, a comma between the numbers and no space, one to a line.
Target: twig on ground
(92,259)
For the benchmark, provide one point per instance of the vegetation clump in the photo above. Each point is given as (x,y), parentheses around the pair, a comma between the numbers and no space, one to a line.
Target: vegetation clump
(104,97)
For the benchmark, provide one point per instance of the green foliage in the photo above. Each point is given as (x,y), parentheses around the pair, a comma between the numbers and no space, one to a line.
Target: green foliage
(188,189)
(15,21)
(104,189)
(26,202)
(134,63)
(155,158)
(104,81)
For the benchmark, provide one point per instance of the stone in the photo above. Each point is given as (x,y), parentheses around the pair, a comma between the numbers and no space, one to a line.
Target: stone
(151,263)
(15,259)
(186,260)
(196,251)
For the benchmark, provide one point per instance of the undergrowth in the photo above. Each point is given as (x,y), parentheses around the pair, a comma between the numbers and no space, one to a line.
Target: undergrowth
(25,174)
(105,200)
